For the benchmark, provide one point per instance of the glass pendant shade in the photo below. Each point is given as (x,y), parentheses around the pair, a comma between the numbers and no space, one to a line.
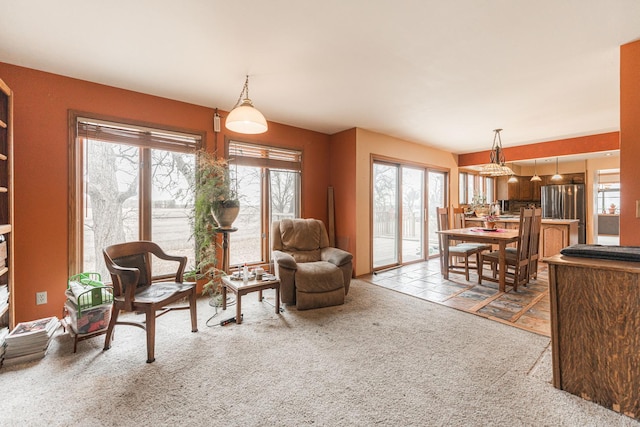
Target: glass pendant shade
(246,119)
(557,176)
(535,176)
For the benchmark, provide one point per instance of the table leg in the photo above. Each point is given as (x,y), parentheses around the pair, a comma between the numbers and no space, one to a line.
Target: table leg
(502,263)
(277,289)
(224,297)
(238,309)
(260,295)
(445,258)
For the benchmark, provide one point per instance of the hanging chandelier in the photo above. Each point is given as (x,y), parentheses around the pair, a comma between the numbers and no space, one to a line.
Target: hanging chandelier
(496,165)
(244,117)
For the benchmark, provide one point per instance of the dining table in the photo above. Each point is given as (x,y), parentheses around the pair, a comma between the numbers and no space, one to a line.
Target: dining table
(496,236)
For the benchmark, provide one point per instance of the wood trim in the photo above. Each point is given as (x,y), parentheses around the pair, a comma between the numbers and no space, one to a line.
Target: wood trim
(75,201)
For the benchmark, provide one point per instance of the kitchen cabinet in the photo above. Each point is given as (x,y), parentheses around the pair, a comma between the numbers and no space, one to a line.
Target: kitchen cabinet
(523,189)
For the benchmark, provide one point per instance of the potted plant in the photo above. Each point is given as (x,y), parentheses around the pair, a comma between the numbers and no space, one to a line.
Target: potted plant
(490,222)
(216,206)
(479,205)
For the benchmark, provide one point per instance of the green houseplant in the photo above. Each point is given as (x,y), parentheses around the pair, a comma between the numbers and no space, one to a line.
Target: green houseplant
(216,206)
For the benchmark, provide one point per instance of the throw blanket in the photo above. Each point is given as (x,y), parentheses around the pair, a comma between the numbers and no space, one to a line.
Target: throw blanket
(617,253)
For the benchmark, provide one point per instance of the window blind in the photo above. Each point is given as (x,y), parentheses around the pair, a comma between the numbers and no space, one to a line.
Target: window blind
(248,154)
(122,133)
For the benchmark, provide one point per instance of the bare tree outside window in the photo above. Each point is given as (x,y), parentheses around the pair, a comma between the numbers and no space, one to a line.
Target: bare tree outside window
(112,201)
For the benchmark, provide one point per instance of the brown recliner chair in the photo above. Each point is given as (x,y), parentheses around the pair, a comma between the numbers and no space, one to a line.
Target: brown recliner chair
(312,274)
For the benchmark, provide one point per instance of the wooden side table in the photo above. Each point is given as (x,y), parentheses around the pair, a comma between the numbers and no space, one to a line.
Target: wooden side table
(240,288)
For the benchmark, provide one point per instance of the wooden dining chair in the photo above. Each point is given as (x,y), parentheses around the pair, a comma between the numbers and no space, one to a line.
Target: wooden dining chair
(517,261)
(134,289)
(459,222)
(534,245)
(458,251)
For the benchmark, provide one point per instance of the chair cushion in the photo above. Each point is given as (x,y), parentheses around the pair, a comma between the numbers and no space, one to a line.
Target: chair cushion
(161,290)
(305,256)
(510,256)
(319,276)
(462,249)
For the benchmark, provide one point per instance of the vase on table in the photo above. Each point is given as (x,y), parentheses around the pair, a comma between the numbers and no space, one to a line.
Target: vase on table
(489,225)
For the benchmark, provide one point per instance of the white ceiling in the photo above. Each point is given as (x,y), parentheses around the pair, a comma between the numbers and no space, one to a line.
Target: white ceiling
(441,73)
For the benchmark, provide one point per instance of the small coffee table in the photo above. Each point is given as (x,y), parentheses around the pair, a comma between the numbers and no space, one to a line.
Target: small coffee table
(240,288)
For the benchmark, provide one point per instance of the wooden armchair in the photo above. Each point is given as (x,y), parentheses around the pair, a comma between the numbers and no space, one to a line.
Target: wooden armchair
(133,290)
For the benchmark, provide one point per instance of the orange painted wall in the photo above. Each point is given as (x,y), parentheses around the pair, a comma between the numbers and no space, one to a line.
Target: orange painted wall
(629,142)
(41,104)
(562,147)
(343,180)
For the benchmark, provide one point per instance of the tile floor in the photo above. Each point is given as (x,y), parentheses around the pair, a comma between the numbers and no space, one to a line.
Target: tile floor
(528,308)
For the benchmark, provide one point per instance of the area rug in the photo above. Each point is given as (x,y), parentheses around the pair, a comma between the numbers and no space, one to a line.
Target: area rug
(382,358)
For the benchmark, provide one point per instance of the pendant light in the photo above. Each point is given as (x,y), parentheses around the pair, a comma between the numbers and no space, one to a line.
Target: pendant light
(244,117)
(557,176)
(513,179)
(496,165)
(535,176)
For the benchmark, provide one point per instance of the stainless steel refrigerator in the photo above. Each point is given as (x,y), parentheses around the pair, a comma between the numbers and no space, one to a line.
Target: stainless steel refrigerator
(565,201)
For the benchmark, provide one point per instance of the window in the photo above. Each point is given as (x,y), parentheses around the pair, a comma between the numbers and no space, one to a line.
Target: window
(130,182)
(268,185)
(471,184)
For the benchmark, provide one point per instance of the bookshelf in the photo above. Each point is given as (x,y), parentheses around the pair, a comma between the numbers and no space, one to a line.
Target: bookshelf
(7,311)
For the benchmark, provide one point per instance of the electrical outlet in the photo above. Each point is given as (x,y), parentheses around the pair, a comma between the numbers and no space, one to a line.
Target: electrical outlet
(41,298)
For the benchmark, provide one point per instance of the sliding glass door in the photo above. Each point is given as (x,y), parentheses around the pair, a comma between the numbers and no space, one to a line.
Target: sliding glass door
(385,215)
(437,199)
(401,233)
(412,214)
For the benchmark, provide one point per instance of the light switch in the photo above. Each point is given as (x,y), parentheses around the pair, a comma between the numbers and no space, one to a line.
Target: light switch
(637,208)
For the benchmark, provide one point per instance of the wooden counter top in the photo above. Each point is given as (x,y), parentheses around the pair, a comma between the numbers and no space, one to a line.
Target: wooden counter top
(517,220)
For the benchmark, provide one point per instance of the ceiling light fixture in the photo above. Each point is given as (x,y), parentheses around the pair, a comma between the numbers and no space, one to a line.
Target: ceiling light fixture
(513,179)
(244,117)
(496,165)
(557,176)
(535,176)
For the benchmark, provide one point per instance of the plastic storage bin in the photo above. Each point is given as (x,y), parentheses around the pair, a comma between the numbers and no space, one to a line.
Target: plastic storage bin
(90,320)
(88,307)
(86,290)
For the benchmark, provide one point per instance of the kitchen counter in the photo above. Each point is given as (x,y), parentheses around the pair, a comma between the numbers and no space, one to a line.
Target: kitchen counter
(475,222)
(555,234)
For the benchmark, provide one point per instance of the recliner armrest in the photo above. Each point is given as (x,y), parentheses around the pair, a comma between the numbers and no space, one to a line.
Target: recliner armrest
(284,260)
(335,256)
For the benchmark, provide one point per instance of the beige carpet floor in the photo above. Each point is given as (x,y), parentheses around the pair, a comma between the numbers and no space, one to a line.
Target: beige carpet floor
(383,358)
